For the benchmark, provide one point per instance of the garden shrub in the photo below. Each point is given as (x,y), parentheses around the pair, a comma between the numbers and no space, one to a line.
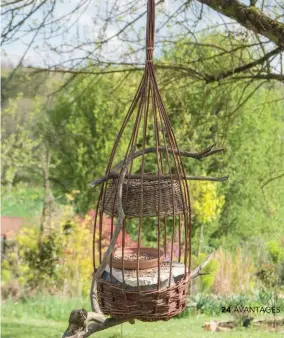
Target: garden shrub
(59,262)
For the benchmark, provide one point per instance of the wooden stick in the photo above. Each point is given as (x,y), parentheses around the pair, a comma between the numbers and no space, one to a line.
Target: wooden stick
(114,175)
(197,271)
(92,325)
(197,155)
(97,316)
(94,297)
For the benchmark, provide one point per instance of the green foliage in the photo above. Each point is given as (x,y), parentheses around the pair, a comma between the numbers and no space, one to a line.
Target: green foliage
(238,117)
(250,159)
(45,262)
(271,271)
(24,82)
(275,251)
(207,204)
(35,265)
(6,274)
(236,272)
(18,144)
(80,129)
(59,261)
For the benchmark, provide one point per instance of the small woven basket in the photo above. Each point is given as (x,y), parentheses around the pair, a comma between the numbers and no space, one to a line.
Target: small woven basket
(168,190)
(145,305)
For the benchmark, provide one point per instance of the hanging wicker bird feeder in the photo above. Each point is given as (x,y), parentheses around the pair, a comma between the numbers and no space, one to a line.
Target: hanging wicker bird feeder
(145,197)
(157,291)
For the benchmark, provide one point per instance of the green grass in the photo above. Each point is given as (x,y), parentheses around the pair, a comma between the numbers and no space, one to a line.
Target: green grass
(54,308)
(22,201)
(187,327)
(32,328)
(46,316)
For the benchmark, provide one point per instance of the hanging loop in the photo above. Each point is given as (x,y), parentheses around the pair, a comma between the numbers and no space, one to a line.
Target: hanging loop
(150,30)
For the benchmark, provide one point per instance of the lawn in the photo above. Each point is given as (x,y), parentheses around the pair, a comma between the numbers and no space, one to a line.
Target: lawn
(47,316)
(22,202)
(185,327)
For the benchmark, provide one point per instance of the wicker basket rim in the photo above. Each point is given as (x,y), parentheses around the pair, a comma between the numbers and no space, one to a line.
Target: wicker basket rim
(136,182)
(184,279)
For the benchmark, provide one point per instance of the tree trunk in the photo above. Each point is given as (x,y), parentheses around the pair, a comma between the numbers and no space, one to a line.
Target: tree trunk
(48,202)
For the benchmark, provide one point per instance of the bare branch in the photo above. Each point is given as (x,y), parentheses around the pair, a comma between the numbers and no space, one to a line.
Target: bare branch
(197,155)
(81,326)
(251,18)
(197,272)
(241,69)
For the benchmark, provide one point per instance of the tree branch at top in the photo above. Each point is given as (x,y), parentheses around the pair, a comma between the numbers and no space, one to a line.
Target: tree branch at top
(251,18)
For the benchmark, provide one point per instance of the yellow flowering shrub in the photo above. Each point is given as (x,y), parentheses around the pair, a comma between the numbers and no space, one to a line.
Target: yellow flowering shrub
(207,204)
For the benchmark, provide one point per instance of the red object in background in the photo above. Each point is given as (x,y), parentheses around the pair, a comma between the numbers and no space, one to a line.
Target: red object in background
(10,226)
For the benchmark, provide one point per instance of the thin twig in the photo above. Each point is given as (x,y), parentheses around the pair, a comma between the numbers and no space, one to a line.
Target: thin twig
(272,179)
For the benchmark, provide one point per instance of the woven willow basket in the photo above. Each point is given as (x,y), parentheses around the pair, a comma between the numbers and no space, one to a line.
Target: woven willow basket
(144,305)
(170,198)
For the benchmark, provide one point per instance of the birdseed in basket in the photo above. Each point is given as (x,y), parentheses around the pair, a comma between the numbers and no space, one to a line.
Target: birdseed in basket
(133,256)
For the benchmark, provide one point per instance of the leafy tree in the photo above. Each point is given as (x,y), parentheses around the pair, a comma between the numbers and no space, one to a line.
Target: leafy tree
(15,81)
(18,142)
(80,129)
(254,143)
(251,131)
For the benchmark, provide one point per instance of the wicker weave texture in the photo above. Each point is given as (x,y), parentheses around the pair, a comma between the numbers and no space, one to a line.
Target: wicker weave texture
(169,192)
(145,305)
